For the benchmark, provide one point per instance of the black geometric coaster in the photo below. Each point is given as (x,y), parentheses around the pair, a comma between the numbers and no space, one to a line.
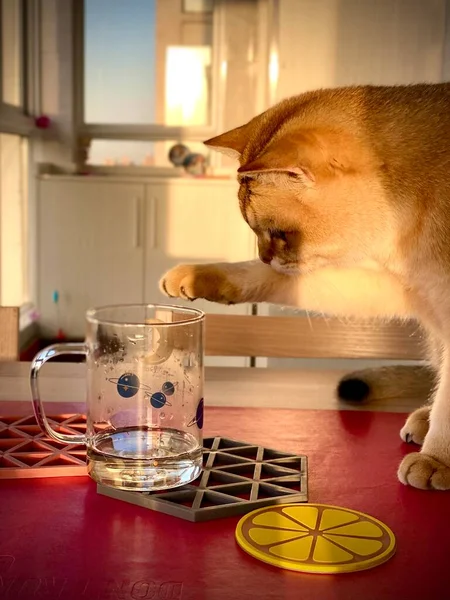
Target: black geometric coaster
(237,478)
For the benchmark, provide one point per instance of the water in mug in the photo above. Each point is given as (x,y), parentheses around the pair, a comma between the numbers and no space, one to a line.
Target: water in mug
(145,425)
(144,458)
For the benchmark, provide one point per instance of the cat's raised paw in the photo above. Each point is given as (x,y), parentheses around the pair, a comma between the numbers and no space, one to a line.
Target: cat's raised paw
(416,427)
(191,282)
(424,472)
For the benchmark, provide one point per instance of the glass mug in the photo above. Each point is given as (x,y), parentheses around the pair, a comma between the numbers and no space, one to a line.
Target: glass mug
(144,395)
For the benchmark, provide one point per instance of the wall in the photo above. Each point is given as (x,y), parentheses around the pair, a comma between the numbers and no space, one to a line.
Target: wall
(329,43)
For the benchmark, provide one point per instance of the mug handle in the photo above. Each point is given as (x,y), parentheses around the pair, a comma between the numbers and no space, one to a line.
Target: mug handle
(38,361)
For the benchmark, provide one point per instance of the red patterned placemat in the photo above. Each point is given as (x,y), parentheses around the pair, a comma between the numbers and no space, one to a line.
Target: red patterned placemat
(25,451)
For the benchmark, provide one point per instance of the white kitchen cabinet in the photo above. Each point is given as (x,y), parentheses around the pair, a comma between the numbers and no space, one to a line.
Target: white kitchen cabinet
(90,249)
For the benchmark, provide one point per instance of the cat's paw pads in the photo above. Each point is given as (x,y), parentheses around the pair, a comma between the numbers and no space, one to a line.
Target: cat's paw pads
(191,282)
(179,282)
(424,472)
(416,427)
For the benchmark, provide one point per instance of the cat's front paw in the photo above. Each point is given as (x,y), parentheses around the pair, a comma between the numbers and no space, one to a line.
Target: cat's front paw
(424,472)
(416,427)
(191,282)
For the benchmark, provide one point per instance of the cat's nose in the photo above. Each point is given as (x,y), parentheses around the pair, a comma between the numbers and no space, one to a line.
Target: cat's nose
(266,256)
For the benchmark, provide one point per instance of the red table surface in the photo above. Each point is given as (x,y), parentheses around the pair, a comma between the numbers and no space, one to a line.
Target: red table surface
(60,539)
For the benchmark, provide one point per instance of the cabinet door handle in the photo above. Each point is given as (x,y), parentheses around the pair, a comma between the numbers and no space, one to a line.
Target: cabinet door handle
(137,222)
(152,241)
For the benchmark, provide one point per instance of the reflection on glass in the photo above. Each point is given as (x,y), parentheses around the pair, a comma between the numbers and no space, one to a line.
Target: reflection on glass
(146,62)
(11,52)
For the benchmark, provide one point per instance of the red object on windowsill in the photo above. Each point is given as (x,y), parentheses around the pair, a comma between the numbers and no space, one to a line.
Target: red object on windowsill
(42,122)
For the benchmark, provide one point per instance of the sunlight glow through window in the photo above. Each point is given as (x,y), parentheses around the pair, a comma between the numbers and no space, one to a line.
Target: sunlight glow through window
(187,84)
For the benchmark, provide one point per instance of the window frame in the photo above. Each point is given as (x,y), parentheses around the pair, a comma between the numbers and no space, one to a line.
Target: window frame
(17,119)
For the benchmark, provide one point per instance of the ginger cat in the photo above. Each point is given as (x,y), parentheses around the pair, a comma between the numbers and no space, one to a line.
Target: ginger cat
(348,193)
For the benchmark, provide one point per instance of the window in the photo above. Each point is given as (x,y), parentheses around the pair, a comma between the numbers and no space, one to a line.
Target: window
(13,222)
(119,47)
(159,72)
(145,63)
(15,127)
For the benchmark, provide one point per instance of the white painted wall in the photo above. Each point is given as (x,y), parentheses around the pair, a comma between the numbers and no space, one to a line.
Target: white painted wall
(329,43)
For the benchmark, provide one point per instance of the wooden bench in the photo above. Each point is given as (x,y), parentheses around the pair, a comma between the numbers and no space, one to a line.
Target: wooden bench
(316,337)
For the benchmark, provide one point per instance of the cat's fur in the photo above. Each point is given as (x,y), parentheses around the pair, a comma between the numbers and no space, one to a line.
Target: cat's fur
(348,192)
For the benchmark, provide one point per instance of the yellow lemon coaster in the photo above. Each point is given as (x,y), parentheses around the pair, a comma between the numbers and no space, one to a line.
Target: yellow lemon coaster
(315,538)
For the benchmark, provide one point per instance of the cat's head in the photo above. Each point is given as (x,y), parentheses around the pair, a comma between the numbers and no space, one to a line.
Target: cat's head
(312,194)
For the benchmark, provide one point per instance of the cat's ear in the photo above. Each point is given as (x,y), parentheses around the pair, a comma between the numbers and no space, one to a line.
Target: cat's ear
(231,143)
(284,156)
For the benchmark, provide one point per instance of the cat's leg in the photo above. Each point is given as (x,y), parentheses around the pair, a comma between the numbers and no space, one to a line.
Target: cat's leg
(430,468)
(417,424)
(225,283)
(327,290)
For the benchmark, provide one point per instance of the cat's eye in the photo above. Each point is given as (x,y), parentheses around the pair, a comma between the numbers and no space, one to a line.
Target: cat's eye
(279,235)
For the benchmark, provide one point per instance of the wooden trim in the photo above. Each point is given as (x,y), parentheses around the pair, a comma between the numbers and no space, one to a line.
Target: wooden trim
(9,333)
(302,337)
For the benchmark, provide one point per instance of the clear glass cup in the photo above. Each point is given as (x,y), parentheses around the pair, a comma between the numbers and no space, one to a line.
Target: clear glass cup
(145,379)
